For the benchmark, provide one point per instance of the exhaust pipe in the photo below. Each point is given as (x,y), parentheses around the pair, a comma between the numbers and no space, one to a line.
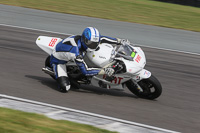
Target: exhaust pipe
(48,71)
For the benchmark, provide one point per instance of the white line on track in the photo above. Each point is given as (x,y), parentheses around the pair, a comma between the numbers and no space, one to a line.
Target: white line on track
(56,112)
(18,49)
(34,29)
(88,113)
(179,51)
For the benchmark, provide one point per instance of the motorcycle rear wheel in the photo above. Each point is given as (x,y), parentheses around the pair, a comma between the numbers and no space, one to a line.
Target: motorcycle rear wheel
(152,88)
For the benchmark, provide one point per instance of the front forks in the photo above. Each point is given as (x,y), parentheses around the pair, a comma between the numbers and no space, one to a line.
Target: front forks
(137,86)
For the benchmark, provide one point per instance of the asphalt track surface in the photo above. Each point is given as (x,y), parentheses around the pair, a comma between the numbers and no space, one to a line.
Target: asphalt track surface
(176,109)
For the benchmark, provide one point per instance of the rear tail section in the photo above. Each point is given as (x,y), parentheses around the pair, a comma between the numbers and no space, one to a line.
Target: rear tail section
(47,43)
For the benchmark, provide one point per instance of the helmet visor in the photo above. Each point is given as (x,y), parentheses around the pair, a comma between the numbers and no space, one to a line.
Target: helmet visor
(91,44)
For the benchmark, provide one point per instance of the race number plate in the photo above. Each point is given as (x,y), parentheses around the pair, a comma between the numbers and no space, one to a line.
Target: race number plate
(53,42)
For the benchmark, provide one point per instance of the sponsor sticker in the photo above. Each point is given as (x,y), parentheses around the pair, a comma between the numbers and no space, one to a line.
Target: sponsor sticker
(117,80)
(138,77)
(95,39)
(53,42)
(147,73)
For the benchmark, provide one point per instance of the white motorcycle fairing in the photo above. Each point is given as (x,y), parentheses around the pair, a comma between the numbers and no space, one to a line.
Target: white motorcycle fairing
(47,43)
(134,67)
(101,56)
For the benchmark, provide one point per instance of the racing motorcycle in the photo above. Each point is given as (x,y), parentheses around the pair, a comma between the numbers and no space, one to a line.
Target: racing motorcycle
(127,60)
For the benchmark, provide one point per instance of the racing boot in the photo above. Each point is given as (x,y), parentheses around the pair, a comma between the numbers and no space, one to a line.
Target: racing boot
(64,84)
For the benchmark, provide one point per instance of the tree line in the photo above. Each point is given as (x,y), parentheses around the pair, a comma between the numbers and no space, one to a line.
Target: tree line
(195,3)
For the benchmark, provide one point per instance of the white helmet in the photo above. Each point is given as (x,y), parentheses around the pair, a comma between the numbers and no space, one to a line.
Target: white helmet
(90,37)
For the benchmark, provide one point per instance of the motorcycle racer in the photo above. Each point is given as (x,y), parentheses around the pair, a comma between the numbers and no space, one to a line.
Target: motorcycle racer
(74,48)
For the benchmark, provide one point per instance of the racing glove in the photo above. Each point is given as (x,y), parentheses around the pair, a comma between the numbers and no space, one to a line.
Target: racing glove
(109,71)
(124,41)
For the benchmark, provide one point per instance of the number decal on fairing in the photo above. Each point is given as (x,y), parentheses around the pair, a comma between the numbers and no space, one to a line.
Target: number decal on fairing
(138,59)
(53,42)
(117,80)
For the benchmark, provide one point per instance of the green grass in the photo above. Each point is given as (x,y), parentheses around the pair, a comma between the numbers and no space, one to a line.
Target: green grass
(138,11)
(13,121)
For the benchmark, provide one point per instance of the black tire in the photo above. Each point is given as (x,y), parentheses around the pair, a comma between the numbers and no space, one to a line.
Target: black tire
(47,64)
(152,88)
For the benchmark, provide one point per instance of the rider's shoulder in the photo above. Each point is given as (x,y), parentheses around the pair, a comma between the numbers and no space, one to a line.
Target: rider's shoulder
(71,40)
(72,37)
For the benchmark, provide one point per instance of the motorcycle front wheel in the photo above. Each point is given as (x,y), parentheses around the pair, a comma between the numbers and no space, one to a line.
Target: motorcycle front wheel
(151,88)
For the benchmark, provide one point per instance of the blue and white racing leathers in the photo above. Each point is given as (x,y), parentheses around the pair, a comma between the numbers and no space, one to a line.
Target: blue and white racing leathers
(71,49)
